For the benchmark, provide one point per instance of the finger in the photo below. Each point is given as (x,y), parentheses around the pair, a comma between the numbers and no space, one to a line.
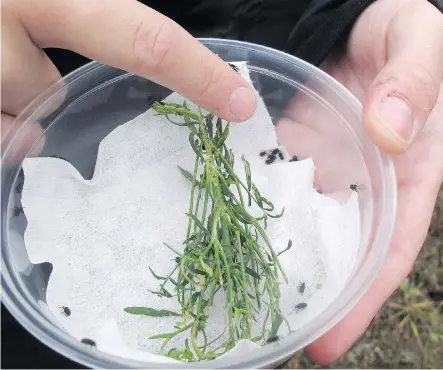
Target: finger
(26,70)
(31,140)
(133,37)
(405,91)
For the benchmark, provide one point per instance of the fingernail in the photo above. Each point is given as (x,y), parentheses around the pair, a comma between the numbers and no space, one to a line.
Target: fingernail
(396,114)
(242,103)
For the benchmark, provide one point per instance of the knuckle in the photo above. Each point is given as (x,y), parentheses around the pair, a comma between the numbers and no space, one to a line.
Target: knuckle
(210,79)
(151,47)
(422,76)
(424,82)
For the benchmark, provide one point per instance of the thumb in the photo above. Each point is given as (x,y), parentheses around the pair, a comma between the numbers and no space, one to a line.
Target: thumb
(405,91)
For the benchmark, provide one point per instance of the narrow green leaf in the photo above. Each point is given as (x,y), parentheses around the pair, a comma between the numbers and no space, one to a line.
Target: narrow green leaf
(206,267)
(251,272)
(165,293)
(227,156)
(194,298)
(225,190)
(173,281)
(257,196)
(223,137)
(231,153)
(194,141)
(229,250)
(241,214)
(188,175)
(209,125)
(175,354)
(188,353)
(172,249)
(200,272)
(276,325)
(248,178)
(196,271)
(219,127)
(158,277)
(190,239)
(190,122)
(161,336)
(287,248)
(177,123)
(146,311)
(279,214)
(153,292)
(199,224)
(162,293)
(270,207)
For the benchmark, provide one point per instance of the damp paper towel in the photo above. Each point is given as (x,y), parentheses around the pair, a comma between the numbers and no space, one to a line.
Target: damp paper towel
(101,235)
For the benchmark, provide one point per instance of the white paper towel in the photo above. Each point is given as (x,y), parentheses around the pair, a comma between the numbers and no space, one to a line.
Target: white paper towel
(101,235)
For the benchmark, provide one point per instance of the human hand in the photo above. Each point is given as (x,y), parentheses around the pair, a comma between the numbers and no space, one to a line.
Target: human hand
(123,34)
(394,65)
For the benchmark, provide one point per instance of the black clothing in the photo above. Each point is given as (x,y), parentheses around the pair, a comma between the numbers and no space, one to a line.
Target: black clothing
(308,29)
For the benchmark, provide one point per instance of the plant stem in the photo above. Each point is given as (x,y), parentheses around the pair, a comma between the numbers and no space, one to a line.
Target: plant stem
(222,250)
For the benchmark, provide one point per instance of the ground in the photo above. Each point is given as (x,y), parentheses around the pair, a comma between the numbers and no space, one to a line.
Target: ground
(408,330)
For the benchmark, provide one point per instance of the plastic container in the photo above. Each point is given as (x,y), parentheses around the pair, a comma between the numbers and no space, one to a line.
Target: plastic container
(80,110)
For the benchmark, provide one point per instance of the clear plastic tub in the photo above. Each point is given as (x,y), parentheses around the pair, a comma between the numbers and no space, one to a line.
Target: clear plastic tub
(80,110)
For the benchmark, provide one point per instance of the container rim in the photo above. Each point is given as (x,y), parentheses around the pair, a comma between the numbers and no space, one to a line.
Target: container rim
(29,317)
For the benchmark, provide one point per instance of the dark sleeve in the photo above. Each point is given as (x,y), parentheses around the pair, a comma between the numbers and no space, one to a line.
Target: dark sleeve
(325,25)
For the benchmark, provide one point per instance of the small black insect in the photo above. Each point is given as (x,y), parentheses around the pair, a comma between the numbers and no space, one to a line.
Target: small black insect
(234,67)
(294,159)
(17,210)
(263,153)
(177,259)
(301,287)
(270,159)
(273,338)
(300,306)
(281,156)
(275,151)
(88,342)
(65,310)
(356,187)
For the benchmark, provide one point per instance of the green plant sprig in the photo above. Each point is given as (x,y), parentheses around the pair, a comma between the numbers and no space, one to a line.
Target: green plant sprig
(222,247)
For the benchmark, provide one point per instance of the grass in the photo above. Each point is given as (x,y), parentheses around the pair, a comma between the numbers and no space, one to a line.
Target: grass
(408,330)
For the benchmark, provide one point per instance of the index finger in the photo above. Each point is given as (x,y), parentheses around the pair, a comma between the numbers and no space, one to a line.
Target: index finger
(130,36)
